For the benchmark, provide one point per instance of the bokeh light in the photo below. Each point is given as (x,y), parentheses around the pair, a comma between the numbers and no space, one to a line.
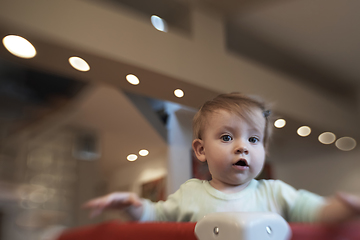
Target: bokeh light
(179,93)
(345,143)
(79,64)
(143,152)
(132,79)
(327,138)
(159,23)
(132,157)
(304,131)
(19,46)
(280,123)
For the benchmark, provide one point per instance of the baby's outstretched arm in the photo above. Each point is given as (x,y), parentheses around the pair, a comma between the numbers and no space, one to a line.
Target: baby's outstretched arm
(117,200)
(342,207)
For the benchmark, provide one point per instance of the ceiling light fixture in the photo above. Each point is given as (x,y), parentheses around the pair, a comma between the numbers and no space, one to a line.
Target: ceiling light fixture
(327,138)
(19,46)
(159,23)
(280,123)
(132,79)
(304,131)
(79,64)
(345,143)
(131,157)
(143,152)
(179,93)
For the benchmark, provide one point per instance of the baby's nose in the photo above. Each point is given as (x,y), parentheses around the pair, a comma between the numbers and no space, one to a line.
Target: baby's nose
(242,150)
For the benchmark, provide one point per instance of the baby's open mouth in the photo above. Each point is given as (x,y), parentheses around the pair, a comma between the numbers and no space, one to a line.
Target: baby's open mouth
(242,162)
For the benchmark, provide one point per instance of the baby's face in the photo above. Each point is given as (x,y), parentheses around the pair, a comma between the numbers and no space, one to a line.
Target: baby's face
(233,149)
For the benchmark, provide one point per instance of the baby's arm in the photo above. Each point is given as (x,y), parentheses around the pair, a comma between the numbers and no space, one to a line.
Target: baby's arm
(117,200)
(340,208)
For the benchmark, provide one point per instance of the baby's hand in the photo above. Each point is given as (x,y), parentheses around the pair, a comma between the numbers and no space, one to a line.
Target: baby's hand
(116,200)
(350,200)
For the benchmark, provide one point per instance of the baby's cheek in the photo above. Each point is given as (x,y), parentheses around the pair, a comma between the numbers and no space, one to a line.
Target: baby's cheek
(216,166)
(258,166)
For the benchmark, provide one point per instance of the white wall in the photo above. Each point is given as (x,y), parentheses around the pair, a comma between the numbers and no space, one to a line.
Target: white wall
(323,175)
(132,175)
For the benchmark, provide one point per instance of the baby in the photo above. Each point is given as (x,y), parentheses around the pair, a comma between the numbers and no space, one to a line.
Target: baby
(231,134)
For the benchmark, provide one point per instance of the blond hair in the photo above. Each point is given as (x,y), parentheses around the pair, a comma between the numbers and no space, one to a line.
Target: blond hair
(237,103)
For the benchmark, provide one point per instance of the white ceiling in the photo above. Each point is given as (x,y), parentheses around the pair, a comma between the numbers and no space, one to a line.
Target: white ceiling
(324,33)
(316,42)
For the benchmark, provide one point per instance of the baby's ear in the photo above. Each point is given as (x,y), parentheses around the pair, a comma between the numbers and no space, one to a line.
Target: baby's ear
(198,147)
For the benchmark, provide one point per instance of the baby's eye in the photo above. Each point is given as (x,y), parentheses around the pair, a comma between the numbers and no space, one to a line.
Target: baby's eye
(254,139)
(226,138)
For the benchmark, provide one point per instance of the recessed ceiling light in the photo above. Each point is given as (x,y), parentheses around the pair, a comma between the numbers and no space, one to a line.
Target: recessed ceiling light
(19,46)
(345,143)
(143,152)
(132,79)
(280,123)
(79,64)
(304,131)
(179,93)
(131,157)
(159,23)
(327,138)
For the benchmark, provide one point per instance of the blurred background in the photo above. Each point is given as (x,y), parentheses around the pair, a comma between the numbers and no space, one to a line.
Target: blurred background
(100,94)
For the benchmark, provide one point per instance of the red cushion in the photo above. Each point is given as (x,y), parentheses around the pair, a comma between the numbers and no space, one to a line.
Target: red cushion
(346,231)
(180,231)
(147,231)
